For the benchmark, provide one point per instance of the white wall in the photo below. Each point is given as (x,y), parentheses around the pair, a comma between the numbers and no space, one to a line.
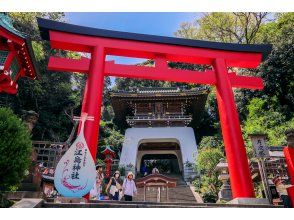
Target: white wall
(184,136)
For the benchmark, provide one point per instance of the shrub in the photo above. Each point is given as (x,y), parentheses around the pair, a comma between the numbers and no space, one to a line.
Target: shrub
(15,150)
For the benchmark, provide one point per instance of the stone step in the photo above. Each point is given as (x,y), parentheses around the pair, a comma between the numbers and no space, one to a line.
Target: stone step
(120,204)
(18,195)
(177,194)
(180,194)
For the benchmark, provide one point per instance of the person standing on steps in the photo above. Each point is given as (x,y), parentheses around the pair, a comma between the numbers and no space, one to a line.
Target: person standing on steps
(155,170)
(282,190)
(114,186)
(97,188)
(99,180)
(129,187)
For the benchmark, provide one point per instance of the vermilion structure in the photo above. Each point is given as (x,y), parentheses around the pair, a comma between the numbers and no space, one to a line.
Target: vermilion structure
(16,56)
(220,56)
(109,155)
(289,156)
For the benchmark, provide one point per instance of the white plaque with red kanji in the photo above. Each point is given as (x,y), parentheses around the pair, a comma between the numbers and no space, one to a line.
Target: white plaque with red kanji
(75,172)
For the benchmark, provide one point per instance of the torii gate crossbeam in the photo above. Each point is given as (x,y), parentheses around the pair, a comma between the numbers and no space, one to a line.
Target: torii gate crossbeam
(162,50)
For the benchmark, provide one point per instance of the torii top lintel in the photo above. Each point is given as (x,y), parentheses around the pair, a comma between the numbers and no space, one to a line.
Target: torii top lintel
(161,49)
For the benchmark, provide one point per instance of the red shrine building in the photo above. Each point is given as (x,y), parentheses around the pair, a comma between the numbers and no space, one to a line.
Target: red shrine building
(16,56)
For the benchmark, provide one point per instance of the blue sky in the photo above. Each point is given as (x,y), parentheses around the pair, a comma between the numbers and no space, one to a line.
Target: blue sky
(164,24)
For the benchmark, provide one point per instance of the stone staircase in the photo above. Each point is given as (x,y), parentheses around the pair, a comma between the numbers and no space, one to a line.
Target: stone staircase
(180,194)
(123,204)
(179,197)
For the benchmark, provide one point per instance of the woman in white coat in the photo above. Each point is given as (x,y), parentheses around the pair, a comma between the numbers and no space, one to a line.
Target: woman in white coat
(129,187)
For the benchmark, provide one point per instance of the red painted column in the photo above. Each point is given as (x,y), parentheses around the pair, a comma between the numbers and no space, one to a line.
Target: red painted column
(240,177)
(289,156)
(93,99)
(84,105)
(95,85)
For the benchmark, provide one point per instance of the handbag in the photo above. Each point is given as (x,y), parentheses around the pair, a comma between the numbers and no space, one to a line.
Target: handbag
(113,190)
(118,186)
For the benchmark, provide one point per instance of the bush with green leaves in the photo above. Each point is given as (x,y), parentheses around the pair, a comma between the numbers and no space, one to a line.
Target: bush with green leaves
(15,150)
(208,186)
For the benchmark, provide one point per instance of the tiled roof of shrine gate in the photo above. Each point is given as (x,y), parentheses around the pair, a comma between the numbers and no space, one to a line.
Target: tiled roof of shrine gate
(45,25)
(6,23)
(163,92)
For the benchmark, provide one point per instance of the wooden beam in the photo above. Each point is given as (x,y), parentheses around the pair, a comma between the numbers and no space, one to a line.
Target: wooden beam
(69,65)
(248,82)
(152,73)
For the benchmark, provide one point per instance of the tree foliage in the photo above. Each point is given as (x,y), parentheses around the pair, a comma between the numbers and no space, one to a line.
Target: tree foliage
(264,118)
(52,95)
(208,184)
(241,27)
(15,150)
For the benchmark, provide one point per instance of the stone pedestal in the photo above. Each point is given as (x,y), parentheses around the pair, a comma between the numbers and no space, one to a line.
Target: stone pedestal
(69,200)
(249,201)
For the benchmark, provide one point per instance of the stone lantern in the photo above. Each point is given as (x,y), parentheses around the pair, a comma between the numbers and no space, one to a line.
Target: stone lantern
(225,192)
(109,155)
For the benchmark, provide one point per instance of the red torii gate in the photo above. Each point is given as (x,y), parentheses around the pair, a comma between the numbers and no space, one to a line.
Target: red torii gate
(220,56)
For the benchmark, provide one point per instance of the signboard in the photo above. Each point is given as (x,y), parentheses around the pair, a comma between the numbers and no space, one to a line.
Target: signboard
(75,173)
(260,148)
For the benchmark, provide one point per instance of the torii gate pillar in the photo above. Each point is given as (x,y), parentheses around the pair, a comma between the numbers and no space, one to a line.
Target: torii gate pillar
(289,156)
(93,97)
(240,177)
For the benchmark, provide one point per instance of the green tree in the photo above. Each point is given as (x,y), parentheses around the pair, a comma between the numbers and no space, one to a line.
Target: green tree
(109,135)
(15,150)
(264,118)
(211,142)
(241,27)
(55,96)
(209,184)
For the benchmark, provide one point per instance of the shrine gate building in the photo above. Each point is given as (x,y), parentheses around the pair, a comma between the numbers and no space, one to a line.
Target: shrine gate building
(159,119)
